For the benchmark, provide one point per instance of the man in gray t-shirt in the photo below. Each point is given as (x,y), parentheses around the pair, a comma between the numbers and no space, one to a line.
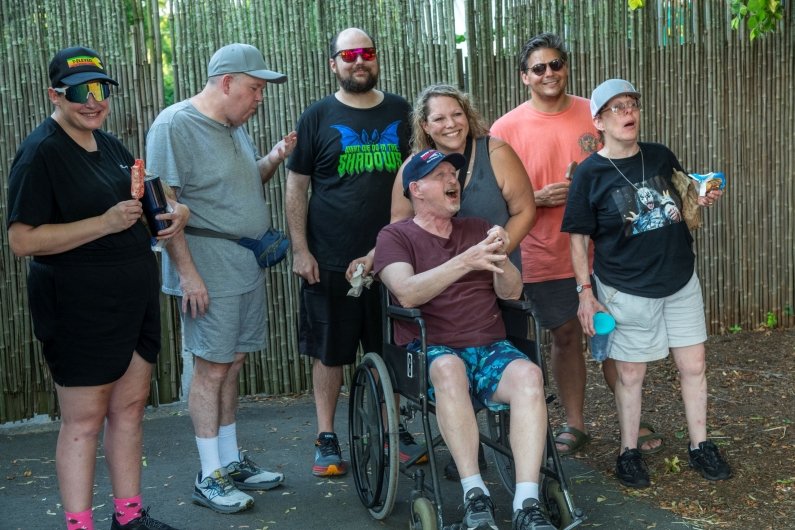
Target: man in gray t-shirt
(200,148)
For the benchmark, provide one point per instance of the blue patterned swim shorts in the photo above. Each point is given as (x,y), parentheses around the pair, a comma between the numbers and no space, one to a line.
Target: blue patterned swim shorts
(484,367)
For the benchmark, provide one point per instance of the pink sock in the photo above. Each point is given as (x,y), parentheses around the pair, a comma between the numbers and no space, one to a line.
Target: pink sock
(127,509)
(80,521)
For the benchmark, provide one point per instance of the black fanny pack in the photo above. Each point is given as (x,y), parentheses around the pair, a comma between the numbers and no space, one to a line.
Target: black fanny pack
(269,250)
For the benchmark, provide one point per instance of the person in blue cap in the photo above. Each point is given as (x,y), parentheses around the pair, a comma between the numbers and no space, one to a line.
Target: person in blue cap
(455,269)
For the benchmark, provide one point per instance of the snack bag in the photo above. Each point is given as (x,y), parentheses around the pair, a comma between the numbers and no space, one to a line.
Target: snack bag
(708,181)
(687,189)
(137,176)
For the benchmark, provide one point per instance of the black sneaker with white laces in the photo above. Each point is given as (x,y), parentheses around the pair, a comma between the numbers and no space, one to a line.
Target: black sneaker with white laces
(631,469)
(478,511)
(530,517)
(708,461)
(144,522)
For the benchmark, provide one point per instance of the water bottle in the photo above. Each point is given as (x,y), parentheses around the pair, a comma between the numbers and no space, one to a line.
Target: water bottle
(603,324)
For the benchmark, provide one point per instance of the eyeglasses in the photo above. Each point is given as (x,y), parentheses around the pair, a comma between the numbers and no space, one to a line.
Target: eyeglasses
(79,93)
(623,108)
(541,68)
(350,56)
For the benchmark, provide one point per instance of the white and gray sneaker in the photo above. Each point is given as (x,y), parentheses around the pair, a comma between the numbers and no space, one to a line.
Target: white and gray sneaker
(218,493)
(247,475)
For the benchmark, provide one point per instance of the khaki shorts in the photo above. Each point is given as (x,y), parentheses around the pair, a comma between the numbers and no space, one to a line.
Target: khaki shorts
(646,328)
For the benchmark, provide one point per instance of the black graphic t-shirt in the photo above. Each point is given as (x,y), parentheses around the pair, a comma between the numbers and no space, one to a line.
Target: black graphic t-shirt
(641,243)
(352,156)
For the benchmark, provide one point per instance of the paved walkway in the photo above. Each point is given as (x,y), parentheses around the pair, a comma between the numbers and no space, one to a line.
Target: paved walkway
(279,433)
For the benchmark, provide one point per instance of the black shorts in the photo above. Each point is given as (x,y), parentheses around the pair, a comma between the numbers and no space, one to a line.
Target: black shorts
(91,317)
(554,302)
(333,324)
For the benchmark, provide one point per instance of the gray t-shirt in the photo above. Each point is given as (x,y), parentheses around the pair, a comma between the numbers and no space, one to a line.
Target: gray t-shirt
(213,169)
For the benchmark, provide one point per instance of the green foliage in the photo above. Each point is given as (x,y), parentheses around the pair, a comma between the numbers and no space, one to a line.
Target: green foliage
(460,38)
(761,16)
(673,465)
(735,328)
(771,321)
(168,54)
(788,312)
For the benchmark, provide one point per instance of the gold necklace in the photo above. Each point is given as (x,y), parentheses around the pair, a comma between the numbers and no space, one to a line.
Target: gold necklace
(642,166)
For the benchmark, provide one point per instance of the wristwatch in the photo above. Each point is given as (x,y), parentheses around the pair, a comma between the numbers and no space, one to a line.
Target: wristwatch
(582,286)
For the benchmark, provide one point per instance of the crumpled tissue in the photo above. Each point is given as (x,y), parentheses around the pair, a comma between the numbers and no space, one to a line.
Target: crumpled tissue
(359,281)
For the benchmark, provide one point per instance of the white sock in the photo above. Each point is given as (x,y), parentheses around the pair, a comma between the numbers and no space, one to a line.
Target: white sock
(208,455)
(227,444)
(524,490)
(474,481)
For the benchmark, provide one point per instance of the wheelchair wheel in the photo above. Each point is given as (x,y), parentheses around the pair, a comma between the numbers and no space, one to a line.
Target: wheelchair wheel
(373,434)
(499,428)
(554,501)
(423,515)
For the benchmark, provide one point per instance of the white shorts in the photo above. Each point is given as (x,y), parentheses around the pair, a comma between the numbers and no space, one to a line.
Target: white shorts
(646,328)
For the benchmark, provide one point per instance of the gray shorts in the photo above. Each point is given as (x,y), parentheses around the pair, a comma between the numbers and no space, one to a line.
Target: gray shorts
(646,328)
(555,302)
(232,324)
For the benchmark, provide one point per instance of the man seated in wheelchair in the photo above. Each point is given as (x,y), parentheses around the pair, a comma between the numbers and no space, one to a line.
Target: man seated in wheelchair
(454,270)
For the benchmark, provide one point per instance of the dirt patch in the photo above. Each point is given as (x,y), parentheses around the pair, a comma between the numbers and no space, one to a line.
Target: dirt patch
(751,381)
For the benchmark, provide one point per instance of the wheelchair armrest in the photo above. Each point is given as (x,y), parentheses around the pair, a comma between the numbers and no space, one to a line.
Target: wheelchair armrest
(403,313)
(515,305)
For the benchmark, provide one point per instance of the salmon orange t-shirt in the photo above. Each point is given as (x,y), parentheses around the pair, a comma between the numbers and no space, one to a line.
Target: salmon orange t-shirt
(547,143)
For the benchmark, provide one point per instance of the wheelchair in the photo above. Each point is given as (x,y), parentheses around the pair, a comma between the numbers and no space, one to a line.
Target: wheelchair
(373,418)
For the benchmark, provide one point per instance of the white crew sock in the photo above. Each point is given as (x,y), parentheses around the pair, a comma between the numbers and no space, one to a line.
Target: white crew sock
(473,481)
(208,455)
(227,444)
(524,490)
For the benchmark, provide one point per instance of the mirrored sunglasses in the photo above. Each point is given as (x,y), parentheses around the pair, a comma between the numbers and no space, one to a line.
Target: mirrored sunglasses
(541,68)
(350,56)
(79,93)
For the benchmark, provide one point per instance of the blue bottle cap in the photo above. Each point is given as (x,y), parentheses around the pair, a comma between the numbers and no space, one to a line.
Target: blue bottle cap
(603,323)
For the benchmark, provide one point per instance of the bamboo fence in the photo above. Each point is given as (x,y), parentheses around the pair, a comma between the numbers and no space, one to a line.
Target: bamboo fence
(717,100)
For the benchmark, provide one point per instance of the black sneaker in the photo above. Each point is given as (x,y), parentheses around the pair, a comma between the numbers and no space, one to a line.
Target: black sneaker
(451,470)
(530,517)
(478,511)
(631,469)
(144,522)
(409,448)
(708,461)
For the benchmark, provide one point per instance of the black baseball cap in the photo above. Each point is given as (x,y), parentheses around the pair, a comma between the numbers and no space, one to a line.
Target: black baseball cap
(76,65)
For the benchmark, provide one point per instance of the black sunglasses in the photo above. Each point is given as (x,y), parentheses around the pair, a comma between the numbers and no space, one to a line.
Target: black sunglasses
(541,68)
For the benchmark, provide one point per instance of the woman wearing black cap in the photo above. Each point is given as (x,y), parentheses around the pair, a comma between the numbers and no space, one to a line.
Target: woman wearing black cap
(623,199)
(93,285)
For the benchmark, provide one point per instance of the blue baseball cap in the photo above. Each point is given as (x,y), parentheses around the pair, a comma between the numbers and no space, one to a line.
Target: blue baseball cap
(424,162)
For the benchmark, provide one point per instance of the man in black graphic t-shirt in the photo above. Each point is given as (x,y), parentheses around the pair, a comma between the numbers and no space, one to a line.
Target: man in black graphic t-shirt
(350,146)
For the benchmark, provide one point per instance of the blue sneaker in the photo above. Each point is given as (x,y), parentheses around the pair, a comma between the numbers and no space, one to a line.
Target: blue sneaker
(328,457)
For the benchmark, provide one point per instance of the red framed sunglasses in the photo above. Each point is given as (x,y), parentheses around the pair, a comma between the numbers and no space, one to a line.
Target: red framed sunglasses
(350,56)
